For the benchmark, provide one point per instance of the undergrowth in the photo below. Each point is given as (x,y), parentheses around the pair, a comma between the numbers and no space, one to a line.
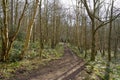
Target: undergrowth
(101,68)
(31,60)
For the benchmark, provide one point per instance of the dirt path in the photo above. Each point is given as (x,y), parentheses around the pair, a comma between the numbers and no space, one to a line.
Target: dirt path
(66,68)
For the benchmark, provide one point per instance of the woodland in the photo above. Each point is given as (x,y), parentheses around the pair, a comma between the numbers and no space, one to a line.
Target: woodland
(57,40)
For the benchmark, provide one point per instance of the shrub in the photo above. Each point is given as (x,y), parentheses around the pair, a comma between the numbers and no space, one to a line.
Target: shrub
(34,45)
(14,56)
(21,36)
(15,51)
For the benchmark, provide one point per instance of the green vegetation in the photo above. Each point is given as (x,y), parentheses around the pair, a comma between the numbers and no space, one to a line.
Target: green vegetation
(31,32)
(101,68)
(31,60)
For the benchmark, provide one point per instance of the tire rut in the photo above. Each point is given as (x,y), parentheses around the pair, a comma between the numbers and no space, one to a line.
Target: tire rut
(65,68)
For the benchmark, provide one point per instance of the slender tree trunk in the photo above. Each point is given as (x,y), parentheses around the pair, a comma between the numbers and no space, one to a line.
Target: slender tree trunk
(16,12)
(77,25)
(57,29)
(110,32)
(12,5)
(46,22)
(41,36)
(5,39)
(109,43)
(103,43)
(34,33)
(29,31)
(53,29)
(85,42)
(115,49)
(93,42)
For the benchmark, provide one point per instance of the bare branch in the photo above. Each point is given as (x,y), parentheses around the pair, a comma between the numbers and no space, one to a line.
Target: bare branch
(105,23)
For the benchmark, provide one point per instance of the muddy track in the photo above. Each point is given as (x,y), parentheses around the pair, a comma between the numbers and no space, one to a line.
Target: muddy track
(65,68)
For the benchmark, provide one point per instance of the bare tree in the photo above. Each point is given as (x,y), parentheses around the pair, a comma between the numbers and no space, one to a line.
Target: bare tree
(93,17)
(29,30)
(110,30)
(41,35)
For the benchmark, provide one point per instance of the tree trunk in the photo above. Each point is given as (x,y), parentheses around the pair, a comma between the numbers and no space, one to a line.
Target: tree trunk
(41,36)
(53,29)
(109,43)
(12,26)
(110,32)
(29,31)
(34,33)
(115,50)
(5,39)
(85,42)
(93,42)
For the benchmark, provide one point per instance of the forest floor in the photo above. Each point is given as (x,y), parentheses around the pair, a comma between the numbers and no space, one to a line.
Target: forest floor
(68,67)
(65,62)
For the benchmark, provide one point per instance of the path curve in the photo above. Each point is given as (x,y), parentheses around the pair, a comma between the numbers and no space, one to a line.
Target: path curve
(65,68)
